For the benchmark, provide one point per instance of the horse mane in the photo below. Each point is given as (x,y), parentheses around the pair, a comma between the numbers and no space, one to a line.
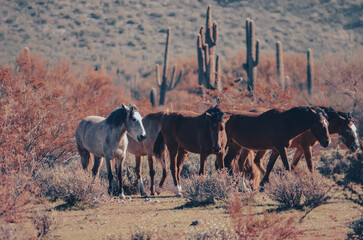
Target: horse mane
(216,113)
(118,116)
(347,116)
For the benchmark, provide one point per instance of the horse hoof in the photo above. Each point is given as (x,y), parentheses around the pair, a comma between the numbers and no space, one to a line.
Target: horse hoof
(122,196)
(158,190)
(179,195)
(153,194)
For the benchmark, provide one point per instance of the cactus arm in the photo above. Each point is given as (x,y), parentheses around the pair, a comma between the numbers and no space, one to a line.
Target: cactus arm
(158,77)
(171,79)
(177,80)
(215,34)
(257,53)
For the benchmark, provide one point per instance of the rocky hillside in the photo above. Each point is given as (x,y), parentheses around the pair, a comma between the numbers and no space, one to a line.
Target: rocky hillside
(117,32)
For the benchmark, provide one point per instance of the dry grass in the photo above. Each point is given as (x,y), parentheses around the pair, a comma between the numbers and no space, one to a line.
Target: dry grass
(249,225)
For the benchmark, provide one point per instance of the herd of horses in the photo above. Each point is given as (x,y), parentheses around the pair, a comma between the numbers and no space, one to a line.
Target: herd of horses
(231,136)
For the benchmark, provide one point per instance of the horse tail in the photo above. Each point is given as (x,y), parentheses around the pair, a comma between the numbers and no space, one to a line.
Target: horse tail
(159,146)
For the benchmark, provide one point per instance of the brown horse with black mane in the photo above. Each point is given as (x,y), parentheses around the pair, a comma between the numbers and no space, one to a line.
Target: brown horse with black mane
(339,123)
(274,130)
(184,132)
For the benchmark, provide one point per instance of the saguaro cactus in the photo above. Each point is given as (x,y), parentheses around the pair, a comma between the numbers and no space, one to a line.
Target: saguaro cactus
(162,80)
(251,64)
(280,65)
(310,70)
(153,95)
(208,67)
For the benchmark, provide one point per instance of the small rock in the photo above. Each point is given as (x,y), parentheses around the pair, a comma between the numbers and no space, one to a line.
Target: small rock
(197,222)
(156,201)
(81,227)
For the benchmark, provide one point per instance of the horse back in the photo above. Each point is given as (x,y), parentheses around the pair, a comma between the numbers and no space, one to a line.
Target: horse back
(255,131)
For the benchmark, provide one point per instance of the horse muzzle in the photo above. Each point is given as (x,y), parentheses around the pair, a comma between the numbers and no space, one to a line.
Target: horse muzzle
(353,148)
(141,137)
(216,149)
(325,143)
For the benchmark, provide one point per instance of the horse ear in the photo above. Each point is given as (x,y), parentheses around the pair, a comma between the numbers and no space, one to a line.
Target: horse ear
(342,118)
(123,106)
(208,114)
(313,111)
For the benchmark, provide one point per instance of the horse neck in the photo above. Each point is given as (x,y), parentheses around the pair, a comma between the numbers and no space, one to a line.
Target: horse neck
(333,118)
(334,125)
(298,120)
(119,132)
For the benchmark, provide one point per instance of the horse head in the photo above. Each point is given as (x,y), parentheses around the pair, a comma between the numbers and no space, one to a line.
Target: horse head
(348,131)
(320,127)
(217,120)
(133,123)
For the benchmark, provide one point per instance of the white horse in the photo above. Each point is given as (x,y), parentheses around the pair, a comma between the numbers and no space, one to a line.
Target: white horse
(100,138)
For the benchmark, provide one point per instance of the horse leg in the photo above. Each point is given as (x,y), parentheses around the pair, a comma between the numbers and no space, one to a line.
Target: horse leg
(97,166)
(151,173)
(233,152)
(309,158)
(85,157)
(173,151)
(283,155)
(270,165)
(203,158)
(182,156)
(242,159)
(140,183)
(219,161)
(119,170)
(296,158)
(109,174)
(162,180)
(260,155)
(256,173)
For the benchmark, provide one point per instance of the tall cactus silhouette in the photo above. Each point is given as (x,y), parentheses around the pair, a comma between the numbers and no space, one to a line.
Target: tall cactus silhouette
(162,80)
(251,64)
(310,70)
(280,65)
(153,95)
(208,67)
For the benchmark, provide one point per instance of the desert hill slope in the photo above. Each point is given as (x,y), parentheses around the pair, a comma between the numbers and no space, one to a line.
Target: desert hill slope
(112,32)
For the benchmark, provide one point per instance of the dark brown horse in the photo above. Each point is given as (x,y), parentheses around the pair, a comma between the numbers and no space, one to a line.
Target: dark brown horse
(274,130)
(339,123)
(184,132)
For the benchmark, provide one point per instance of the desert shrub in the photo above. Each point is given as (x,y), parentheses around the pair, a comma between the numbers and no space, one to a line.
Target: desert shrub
(357,227)
(9,231)
(343,168)
(71,185)
(315,189)
(45,222)
(285,188)
(248,225)
(199,190)
(332,164)
(296,191)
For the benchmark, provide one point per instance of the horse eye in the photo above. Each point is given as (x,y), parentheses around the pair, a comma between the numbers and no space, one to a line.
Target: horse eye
(220,128)
(134,119)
